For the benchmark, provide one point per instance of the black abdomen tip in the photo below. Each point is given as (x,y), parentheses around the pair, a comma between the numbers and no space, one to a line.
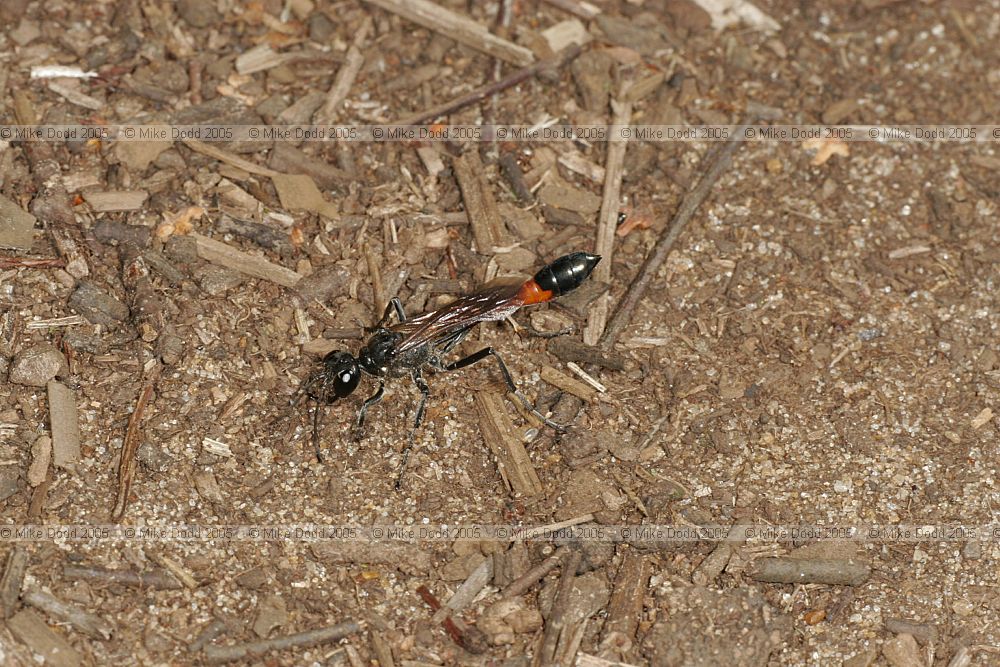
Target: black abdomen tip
(567,273)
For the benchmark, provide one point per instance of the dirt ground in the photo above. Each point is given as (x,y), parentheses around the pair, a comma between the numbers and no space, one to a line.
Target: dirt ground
(820,347)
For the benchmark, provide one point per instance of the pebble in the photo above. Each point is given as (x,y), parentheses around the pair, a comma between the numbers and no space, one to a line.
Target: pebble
(10,482)
(97,306)
(902,651)
(198,13)
(36,365)
(216,280)
(271,614)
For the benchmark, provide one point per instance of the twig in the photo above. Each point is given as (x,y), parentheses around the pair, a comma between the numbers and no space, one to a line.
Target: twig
(375,275)
(457,27)
(515,466)
(568,350)
(468,591)
(568,384)
(252,265)
(13,577)
(614,168)
(231,159)
(481,207)
(625,606)
(155,579)
(489,89)
(219,654)
(52,203)
(381,649)
(64,423)
(521,585)
(30,263)
(345,77)
(714,563)
(694,198)
(91,625)
(471,639)
(130,446)
(834,571)
(557,615)
(580,8)
(515,176)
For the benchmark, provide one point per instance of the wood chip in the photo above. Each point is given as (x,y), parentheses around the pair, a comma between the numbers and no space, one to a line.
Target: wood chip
(298,192)
(41,456)
(564,33)
(327,114)
(480,205)
(909,251)
(17,226)
(12,580)
(568,384)
(220,654)
(515,467)
(832,571)
(252,265)
(981,419)
(89,624)
(457,27)
(116,200)
(65,424)
(229,158)
(30,629)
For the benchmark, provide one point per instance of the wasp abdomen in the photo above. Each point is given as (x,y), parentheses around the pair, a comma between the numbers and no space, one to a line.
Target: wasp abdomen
(566,273)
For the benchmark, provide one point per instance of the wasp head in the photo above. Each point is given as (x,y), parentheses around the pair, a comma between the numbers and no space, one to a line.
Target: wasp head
(338,378)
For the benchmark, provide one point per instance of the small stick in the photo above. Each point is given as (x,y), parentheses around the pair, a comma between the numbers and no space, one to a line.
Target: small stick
(127,463)
(625,606)
(567,656)
(30,263)
(568,384)
(208,633)
(521,585)
(91,625)
(484,217)
(694,199)
(557,616)
(375,274)
(252,265)
(155,579)
(564,57)
(834,571)
(218,654)
(52,202)
(13,578)
(232,159)
(173,567)
(614,169)
(515,466)
(580,8)
(714,563)
(469,638)
(586,377)
(345,77)
(468,591)
(457,27)
(512,172)
(568,350)
(64,423)
(381,649)
(926,632)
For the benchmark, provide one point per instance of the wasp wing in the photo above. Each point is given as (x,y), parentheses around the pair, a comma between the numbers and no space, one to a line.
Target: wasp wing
(495,300)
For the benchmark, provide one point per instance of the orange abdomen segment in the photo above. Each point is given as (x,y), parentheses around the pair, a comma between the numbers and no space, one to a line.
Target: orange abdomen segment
(531,292)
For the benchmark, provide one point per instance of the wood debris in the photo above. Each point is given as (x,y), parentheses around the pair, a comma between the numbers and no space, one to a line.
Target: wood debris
(458,27)
(515,467)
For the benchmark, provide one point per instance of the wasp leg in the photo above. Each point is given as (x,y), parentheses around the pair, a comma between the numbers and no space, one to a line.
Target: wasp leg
(425,392)
(370,401)
(394,305)
(511,386)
